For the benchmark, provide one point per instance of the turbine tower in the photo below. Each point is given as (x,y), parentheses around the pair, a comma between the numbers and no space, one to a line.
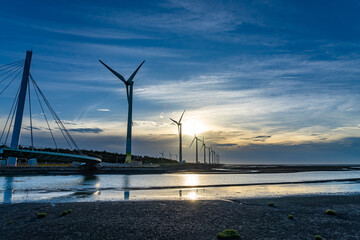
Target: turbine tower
(179,124)
(197,139)
(211,157)
(209,154)
(203,146)
(129,92)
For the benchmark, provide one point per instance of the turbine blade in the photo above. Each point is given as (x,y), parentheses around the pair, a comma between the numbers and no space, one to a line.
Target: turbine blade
(114,72)
(192,142)
(174,121)
(133,75)
(182,116)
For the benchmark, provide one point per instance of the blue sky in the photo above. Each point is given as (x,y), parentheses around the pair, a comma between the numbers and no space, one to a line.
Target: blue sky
(266,81)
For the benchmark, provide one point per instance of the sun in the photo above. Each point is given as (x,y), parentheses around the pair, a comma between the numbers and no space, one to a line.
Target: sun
(192,127)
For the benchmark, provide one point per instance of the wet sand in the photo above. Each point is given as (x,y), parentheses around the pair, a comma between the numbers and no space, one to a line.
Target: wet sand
(252,218)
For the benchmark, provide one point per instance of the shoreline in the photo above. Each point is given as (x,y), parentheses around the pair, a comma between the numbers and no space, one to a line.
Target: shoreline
(188,168)
(186,219)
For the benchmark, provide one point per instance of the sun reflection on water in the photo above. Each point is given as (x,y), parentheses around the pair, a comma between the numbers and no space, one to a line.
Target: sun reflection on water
(192,195)
(191,179)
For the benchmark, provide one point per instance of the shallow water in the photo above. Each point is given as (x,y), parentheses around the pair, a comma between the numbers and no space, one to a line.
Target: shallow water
(76,188)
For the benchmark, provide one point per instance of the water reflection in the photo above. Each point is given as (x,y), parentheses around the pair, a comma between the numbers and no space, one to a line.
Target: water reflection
(8,192)
(91,186)
(193,195)
(191,179)
(126,185)
(77,188)
(190,194)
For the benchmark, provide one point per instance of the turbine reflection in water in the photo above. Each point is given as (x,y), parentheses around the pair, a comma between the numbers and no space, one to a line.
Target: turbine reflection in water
(8,190)
(126,185)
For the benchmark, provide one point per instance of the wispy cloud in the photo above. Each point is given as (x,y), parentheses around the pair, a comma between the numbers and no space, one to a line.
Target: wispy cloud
(103,110)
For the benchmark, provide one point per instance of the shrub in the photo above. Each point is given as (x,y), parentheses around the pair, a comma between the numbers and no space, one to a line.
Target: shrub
(228,234)
(66,212)
(330,212)
(271,204)
(318,237)
(290,216)
(41,215)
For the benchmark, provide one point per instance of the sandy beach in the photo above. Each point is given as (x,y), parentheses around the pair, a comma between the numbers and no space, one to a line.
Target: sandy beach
(252,218)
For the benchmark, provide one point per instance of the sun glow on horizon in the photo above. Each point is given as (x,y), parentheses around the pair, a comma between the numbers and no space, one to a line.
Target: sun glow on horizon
(192,127)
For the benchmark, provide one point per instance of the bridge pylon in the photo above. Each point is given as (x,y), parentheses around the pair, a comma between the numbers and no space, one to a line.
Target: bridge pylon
(12,161)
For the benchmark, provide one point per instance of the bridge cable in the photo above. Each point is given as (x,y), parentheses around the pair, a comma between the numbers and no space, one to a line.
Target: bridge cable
(31,125)
(13,63)
(7,120)
(12,68)
(61,130)
(7,66)
(10,82)
(55,116)
(47,122)
(12,118)
(13,71)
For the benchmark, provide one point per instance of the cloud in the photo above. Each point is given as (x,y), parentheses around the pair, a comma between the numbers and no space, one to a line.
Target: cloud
(103,110)
(86,130)
(261,138)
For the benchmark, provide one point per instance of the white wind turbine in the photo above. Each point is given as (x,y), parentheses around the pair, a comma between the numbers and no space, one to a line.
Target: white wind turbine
(129,92)
(203,146)
(197,139)
(179,124)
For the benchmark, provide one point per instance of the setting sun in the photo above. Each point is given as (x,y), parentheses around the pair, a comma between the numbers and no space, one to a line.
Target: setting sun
(192,127)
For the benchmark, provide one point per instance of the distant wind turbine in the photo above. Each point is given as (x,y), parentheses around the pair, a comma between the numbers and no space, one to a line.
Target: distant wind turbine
(203,146)
(209,154)
(212,154)
(179,124)
(162,154)
(197,139)
(129,93)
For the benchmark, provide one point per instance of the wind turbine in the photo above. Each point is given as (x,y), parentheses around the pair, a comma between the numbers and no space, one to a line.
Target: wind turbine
(179,124)
(203,146)
(162,154)
(170,155)
(212,154)
(209,154)
(197,139)
(129,93)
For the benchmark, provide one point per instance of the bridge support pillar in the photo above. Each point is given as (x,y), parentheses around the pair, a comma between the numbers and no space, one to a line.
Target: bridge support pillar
(12,161)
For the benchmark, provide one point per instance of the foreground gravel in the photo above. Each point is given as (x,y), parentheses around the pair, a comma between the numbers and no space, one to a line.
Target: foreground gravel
(252,218)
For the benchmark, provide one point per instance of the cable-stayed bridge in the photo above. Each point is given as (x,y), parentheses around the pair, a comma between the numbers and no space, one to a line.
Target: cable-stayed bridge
(10,154)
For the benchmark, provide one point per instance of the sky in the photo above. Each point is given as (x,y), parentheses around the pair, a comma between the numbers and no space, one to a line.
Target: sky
(263,81)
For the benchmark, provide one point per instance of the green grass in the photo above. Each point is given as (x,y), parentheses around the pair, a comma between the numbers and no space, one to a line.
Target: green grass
(330,212)
(41,215)
(290,216)
(10,222)
(318,237)
(228,234)
(66,212)
(271,204)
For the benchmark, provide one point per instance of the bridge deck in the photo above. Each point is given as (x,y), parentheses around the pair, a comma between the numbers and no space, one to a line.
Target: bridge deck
(49,156)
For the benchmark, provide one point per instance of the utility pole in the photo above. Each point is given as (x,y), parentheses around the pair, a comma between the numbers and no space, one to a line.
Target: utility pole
(12,161)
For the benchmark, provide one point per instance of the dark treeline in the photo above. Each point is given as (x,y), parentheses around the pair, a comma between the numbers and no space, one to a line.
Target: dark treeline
(109,157)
